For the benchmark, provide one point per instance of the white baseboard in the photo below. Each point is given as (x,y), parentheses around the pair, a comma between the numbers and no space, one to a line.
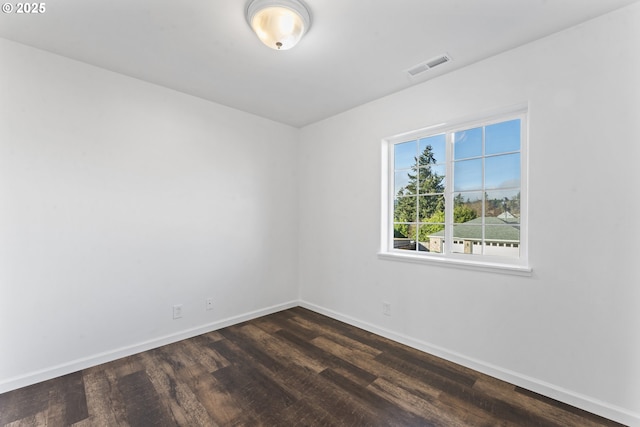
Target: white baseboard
(108,356)
(578,400)
(569,397)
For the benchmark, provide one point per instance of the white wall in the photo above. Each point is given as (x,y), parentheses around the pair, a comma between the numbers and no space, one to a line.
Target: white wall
(118,199)
(572,329)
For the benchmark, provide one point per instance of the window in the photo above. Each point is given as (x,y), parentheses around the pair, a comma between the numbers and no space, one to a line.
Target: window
(457,194)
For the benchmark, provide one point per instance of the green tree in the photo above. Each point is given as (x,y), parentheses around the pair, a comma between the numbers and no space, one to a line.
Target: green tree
(463,213)
(428,182)
(436,223)
(513,205)
(421,198)
(404,211)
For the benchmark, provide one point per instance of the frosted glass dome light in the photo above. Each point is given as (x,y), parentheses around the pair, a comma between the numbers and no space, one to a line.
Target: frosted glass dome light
(279,24)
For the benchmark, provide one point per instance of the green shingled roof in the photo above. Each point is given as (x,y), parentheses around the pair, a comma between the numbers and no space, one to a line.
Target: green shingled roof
(496,230)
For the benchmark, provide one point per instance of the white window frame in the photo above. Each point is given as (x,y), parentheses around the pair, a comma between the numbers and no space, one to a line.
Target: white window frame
(518,266)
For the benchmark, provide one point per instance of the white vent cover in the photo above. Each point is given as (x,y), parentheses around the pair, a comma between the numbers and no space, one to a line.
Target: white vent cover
(427,65)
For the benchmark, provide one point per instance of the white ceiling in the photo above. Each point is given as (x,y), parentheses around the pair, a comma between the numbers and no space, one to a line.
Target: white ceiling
(355,52)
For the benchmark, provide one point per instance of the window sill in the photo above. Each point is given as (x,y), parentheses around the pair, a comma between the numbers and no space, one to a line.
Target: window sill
(516,270)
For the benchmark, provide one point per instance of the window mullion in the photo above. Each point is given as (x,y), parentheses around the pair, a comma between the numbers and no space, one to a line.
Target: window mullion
(391,197)
(416,218)
(484,193)
(448,200)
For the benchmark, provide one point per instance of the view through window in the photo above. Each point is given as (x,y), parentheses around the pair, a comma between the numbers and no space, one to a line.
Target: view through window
(460,191)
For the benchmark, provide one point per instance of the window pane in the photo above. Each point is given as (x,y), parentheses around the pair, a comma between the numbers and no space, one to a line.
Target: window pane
(436,146)
(467,175)
(404,236)
(504,204)
(404,154)
(467,143)
(502,171)
(431,238)
(404,209)
(467,206)
(467,239)
(502,240)
(431,208)
(402,181)
(502,137)
(431,179)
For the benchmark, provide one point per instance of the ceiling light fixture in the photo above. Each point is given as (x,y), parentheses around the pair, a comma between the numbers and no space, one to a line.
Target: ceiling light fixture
(280,24)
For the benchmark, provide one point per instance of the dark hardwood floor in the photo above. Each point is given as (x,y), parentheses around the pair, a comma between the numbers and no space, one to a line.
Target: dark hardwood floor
(292,368)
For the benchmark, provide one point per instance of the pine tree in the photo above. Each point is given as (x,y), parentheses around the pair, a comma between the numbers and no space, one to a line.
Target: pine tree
(421,198)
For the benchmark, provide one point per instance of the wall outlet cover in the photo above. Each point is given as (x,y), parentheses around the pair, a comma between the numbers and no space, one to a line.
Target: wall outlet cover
(177,311)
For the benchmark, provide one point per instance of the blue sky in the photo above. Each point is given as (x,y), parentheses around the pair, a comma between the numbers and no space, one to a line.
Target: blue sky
(502,165)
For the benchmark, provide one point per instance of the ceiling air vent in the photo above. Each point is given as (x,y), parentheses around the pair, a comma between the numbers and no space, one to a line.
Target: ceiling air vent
(427,65)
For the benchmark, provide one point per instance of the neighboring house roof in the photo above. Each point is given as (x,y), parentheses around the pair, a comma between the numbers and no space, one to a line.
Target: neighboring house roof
(506,215)
(502,231)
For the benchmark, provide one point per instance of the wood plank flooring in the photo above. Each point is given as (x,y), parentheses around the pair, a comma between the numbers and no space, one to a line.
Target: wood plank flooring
(292,368)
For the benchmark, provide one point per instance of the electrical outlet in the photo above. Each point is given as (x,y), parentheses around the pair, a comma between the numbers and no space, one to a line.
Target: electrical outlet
(209,304)
(386,309)
(177,311)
